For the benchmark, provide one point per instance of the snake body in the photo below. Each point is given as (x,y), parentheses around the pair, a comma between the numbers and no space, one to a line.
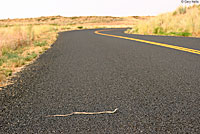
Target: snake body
(86,113)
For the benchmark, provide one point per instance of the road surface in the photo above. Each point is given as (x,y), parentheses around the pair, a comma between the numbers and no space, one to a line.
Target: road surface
(156,89)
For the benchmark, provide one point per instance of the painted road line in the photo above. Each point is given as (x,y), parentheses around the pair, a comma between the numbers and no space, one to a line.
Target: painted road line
(194,51)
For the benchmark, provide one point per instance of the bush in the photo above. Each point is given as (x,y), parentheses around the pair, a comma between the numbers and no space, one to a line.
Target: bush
(182,10)
(80,27)
(2,60)
(174,13)
(181,33)
(8,72)
(40,44)
(74,18)
(54,24)
(158,30)
(12,55)
(31,56)
(9,54)
(53,18)
(19,63)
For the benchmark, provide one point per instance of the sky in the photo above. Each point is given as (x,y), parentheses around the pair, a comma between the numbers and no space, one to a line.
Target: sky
(37,8)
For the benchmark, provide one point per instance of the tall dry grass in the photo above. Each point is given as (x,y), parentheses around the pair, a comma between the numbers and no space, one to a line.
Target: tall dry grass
(14,37)
(18,36)
(185,21)
(21,44)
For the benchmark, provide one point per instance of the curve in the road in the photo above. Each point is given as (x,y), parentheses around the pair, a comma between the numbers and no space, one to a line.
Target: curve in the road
(194,51)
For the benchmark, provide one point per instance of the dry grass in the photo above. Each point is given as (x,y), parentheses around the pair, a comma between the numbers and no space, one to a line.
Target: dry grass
(21,44)
(185,21)
(59,20)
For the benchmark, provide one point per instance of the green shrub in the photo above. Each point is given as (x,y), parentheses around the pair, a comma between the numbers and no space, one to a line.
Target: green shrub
(39,19)
(158,30)
(17,59)
(182,10)
(19,50)
(174,13)
(28,58)
(5,51)
(74,18)
(53,18)
(136,30)
(9,54)
(80,27)
(2,60)
(54,24)
(64,28)
(181,33)
(37,43)
(8,72)
(184,34)
(12,55)
(31,56)
(19,63)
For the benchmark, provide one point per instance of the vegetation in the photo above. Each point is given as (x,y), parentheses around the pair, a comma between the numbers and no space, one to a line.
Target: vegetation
(21,44)
(59,20)
(80,27)
(185,21)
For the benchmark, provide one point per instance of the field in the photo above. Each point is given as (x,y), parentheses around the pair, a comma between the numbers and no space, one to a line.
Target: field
(23,40)
(185,21)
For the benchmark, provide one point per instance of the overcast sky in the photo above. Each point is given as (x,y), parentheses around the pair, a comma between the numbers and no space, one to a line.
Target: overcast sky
(37,8)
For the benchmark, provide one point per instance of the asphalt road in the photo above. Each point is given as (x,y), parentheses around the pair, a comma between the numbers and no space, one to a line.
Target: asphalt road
(156,89)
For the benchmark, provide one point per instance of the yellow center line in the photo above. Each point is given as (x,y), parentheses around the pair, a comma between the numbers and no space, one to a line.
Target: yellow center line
(194,51)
